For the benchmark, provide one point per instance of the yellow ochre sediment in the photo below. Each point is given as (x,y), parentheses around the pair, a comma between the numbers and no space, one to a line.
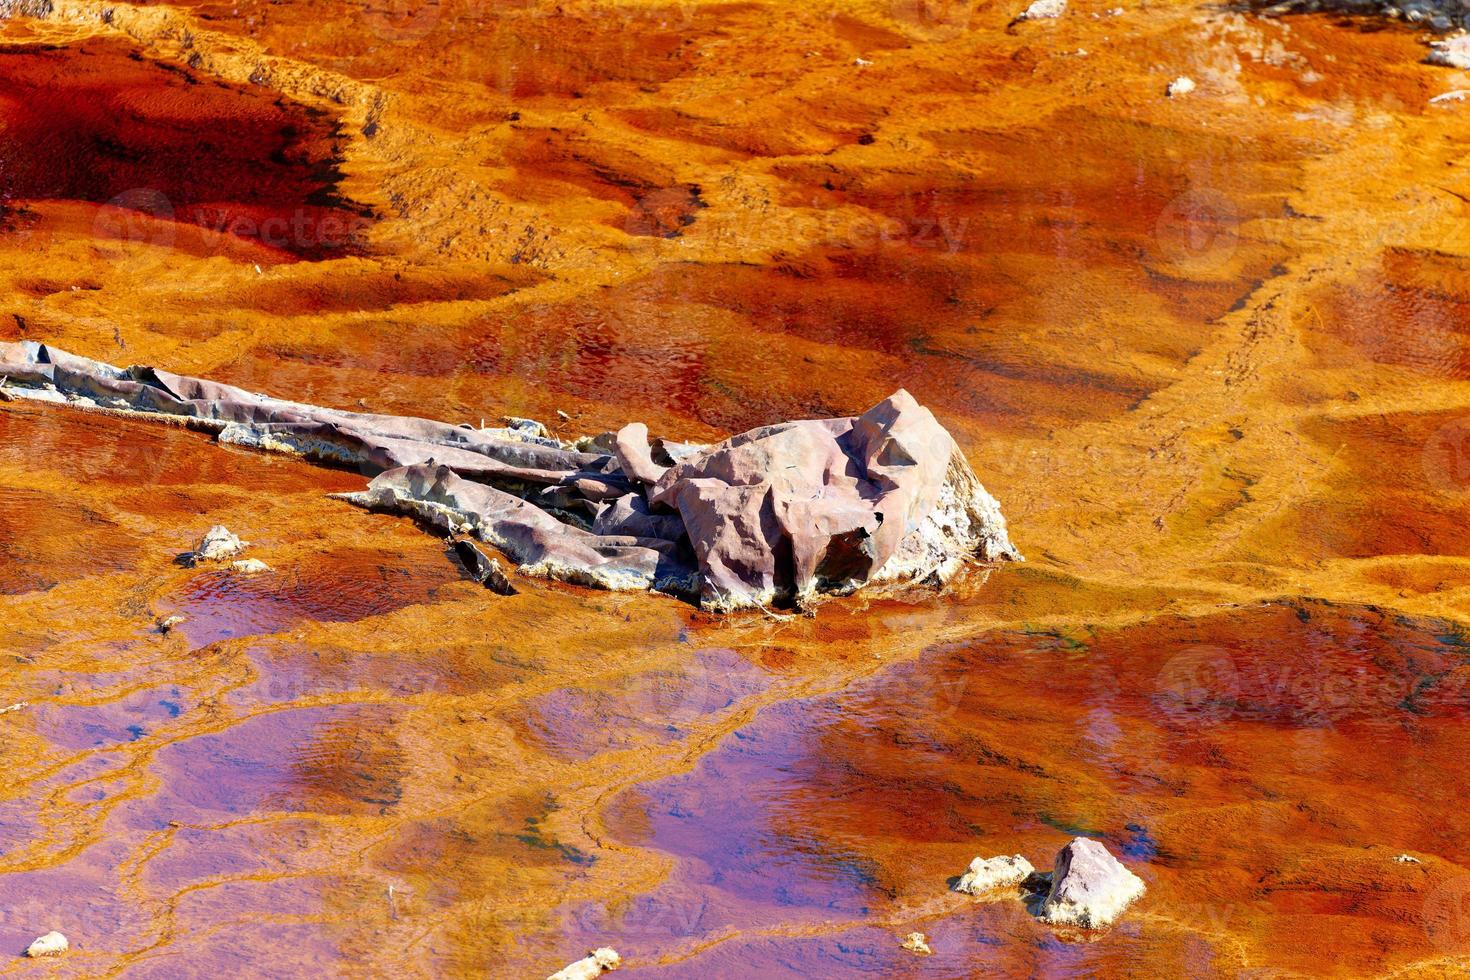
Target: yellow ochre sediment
(1209,351)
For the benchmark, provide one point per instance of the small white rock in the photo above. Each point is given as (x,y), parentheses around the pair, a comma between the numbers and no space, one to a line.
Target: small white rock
(1044,10)
(249,566)
(594,965)
(164,625)
(917,942)
(1182,85)
(51,944)
(1089,887)
(988,874)
(14,707)
(1407,859)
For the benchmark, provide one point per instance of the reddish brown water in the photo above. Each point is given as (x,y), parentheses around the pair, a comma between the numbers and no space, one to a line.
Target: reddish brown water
(156,146)
(1207,352)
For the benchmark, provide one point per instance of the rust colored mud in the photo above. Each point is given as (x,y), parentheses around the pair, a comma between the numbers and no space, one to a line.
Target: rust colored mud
(1209,352)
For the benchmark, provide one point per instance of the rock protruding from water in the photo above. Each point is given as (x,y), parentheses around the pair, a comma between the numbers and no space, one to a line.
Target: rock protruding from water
(779,516)
(595,964)
(1089,887)
(482,567)
(51,944)
(917,943)
(989,874)
(218,544)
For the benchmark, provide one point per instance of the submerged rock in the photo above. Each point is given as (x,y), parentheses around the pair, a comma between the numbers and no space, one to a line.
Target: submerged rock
(595,964)
(249,566)
(1089,887)
(51,944)
(988,874)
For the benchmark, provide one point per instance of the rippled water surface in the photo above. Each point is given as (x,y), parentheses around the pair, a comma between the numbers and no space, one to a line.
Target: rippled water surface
(1208,351)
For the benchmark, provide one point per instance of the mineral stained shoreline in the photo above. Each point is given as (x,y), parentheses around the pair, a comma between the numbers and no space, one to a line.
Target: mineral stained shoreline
(1206,350)
(775,516)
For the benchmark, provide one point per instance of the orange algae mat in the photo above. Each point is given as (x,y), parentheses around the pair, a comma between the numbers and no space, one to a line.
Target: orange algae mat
(1209,353)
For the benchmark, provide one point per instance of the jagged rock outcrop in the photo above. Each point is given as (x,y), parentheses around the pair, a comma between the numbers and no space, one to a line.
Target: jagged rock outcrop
(1089,887)
(777,516)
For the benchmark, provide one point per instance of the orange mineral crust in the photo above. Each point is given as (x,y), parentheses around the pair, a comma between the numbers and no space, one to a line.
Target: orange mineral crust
(1208,350)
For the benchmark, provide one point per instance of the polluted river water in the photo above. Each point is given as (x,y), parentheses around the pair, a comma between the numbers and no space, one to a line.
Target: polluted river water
(1210,350)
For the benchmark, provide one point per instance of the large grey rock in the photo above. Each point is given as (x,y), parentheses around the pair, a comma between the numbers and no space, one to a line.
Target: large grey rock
(776,516)
(786,511)
(218,544)
(1089,887)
